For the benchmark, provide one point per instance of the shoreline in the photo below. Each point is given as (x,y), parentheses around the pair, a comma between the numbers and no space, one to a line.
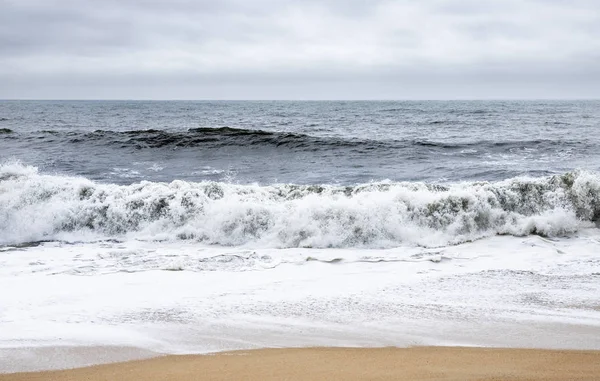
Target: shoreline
(61,357)
(331,363)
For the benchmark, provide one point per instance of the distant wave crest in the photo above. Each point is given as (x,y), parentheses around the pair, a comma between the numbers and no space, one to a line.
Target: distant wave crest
(218,137)
(203,137)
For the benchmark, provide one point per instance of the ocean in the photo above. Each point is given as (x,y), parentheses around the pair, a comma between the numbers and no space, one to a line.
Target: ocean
(192,227)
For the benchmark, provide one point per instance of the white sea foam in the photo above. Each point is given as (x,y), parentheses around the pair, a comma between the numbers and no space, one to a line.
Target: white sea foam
(155,168)
(37,207)
(127,294)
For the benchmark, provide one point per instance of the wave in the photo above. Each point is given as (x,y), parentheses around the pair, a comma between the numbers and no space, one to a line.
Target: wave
(41,207)
(398,109)
(200,137)
(505,145)
(218,137)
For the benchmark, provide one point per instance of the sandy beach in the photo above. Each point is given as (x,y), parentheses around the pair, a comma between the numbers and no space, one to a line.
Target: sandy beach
(418,363)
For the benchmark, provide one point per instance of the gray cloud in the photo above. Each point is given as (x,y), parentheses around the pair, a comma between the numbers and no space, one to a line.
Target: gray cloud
(299,49)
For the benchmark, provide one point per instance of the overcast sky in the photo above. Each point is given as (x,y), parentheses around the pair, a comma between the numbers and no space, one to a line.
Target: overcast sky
(299,49)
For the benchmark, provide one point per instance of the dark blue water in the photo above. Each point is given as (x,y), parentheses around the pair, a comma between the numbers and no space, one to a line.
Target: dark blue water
(301,142)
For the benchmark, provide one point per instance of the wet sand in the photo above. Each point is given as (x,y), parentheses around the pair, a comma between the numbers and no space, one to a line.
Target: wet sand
(419,363)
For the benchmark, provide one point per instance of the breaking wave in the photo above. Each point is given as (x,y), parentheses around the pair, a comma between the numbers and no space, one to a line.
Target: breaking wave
(36,207)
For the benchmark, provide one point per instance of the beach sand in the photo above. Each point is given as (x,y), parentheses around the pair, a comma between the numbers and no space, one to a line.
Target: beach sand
(418,363)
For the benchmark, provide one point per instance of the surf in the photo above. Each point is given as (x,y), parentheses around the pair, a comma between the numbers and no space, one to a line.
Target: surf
(39,207)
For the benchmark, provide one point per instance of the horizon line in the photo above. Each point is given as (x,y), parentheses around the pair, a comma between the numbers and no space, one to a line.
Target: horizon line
(292,100)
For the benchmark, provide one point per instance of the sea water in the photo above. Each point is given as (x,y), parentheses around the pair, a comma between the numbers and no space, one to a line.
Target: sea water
(189,227)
